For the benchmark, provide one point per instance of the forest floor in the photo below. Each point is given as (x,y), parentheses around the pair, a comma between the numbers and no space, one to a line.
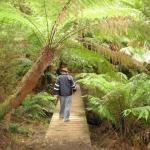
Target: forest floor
(33,134)
(21,133)
(105,138)
(26,134)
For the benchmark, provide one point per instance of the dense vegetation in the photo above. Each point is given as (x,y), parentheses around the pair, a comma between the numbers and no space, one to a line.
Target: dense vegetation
(122,106)
(106,43)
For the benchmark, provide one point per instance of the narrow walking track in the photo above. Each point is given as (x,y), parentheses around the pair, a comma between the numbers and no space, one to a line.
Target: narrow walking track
(72,135)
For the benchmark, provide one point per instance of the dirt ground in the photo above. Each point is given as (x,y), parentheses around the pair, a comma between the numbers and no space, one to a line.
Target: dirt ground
(102,138)
(105,138)
(30,135)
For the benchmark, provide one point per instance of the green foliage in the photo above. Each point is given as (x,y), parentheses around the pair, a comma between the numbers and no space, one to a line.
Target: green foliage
(142,5)
(106,94)
(96,105)
(23,66)
(7,73)
(15,128)
(110,11)
(99,85)
(139,90)
(138,112)
(116,21)
(40,15)
(17,33)
(38,105)
(83,60)
(139,30)
(13,37)
(26,25)
(120,103)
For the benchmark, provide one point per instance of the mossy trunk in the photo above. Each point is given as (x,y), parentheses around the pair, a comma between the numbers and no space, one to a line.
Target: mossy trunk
(28,82)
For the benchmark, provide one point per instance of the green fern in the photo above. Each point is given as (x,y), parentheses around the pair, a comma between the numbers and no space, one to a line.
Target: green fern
(83,60)
(99,85)
(121,104)
(139,112)
(37,105)
(23,66)
(98,106)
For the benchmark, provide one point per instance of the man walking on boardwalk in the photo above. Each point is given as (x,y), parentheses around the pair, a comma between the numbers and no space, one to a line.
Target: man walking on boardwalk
(64,87)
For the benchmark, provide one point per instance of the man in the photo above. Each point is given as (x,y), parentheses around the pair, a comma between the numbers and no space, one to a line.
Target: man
(64,87)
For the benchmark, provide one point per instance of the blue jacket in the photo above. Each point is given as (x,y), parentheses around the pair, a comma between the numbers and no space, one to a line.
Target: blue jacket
(65,85)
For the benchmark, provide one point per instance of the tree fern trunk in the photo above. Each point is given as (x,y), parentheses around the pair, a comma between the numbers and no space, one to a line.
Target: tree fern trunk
(28,82)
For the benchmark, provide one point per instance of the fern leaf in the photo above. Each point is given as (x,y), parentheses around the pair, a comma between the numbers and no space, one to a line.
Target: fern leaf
(139,112)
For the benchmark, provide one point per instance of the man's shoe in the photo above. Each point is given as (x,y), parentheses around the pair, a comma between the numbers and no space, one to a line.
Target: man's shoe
(66,120)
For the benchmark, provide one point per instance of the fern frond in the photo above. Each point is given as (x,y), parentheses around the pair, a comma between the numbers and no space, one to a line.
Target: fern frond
(139,112)
(96,105)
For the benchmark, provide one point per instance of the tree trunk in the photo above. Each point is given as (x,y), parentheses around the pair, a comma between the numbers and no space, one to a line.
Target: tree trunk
(28,82)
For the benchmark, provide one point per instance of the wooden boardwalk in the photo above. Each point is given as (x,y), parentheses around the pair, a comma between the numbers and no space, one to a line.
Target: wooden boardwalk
(72,135)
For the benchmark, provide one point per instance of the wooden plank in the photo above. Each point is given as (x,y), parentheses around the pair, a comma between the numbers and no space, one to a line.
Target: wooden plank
(72,135)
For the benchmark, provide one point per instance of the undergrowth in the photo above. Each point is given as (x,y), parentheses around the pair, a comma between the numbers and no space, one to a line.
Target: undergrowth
(38,106)
(82,60)
(125,104)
